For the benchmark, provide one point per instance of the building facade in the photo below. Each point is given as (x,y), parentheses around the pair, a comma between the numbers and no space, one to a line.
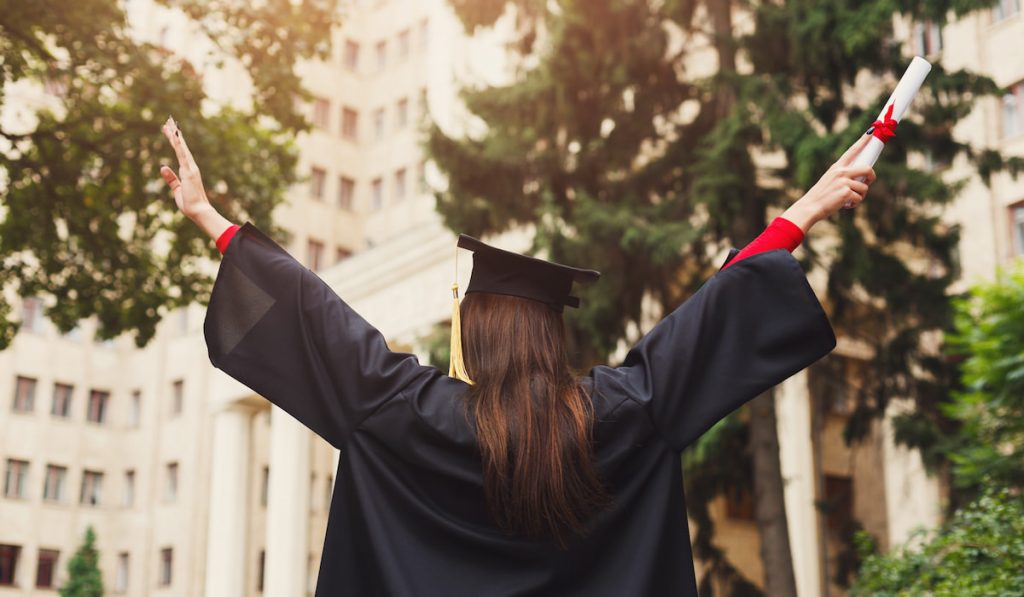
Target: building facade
(194,484)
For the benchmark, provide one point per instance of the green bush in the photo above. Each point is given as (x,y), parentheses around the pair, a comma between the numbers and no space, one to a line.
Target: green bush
(979,551)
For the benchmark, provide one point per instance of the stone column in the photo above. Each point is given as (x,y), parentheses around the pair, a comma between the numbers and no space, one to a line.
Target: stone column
(229,497)
(796,456)
(286,573)
(911,495)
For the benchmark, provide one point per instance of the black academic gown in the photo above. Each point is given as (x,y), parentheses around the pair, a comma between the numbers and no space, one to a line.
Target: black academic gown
(408,515)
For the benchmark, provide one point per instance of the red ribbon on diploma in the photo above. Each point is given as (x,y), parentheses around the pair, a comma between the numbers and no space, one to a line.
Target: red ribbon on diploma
(885,129)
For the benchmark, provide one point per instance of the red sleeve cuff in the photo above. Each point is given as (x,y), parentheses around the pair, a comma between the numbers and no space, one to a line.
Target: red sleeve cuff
(780,234)
(792,233)
(225,237)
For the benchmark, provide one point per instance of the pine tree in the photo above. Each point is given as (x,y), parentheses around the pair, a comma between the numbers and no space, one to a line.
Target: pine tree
(84,576)
(625,160)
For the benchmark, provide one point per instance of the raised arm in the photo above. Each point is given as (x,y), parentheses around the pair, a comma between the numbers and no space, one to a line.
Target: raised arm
(275,326)
(187,186)
(748,328)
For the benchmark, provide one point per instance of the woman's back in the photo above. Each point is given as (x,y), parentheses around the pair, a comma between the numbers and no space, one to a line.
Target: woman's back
(409,514)
(411,501)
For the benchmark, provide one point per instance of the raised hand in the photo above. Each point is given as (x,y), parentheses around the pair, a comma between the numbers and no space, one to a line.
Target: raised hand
(187,185)
(841,186)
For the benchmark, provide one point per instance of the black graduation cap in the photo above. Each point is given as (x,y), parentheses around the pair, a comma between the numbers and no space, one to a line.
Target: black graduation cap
(504,272)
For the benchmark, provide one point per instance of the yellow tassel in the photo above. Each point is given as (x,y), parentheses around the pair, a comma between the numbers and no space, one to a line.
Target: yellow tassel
(457,368)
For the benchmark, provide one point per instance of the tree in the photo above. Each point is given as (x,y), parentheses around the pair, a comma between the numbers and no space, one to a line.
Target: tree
(983,440)
(86,219)
(84,576)
(980,551)
(623,159)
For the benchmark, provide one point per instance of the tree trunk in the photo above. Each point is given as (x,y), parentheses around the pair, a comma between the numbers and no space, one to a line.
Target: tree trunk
(769,504)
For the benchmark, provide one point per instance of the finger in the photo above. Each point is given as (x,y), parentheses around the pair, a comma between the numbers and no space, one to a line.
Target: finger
(848,156)
(863,173)
(184,146)
(170,177)
(174,136)
(861,188)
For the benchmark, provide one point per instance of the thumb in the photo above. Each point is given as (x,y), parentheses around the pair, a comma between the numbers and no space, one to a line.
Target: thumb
(170,177)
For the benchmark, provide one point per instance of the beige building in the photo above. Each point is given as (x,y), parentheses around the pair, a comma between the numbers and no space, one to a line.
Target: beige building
(192,482)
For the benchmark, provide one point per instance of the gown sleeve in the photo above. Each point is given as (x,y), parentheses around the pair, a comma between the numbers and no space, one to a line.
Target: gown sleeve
(276,327)
(748,328)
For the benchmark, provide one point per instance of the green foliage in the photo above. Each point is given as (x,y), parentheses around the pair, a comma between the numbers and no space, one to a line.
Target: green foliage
(986,446)
(438,344)
(86,218)
(980,551)
(625,159)
(84,577)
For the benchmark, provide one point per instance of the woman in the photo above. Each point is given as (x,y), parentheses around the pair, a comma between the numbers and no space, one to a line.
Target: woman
(526,480)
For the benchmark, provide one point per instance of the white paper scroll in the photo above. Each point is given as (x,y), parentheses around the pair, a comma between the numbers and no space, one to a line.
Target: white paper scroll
(900,99)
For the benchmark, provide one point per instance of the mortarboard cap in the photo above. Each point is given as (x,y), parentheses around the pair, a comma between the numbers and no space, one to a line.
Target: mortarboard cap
(504,272)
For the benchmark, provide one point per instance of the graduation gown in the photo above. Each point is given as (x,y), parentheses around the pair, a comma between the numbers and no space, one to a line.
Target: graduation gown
(408,515)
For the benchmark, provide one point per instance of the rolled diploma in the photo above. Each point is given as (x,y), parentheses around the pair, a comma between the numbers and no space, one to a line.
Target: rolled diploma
(901,97)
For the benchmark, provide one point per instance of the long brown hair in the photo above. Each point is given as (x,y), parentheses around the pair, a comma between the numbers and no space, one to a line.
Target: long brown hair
(534,422)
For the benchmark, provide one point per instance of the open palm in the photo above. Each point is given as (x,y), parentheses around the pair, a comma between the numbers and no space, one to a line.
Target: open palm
(187,185)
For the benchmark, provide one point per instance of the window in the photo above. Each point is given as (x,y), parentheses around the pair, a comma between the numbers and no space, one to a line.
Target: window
(421,177)
(1013,111)
(317,182)
(349,124)
(97,406)
(32,314)
(838,502)
(424,34)
(311,574)
(350,55)
(171,482)
(927,37)
(321,109)
(328,492)
(92,488)
(1017,221)
(346,192)
(56,86)
(1005,9)
(45,567)
(260,565)
(400,184)
(14,482)
(61,400)
(166,566)
(424,106)
(739,503)
(8,564)
(128,496)
(314,254)
(264,485)
(402,113)
(341,254)
(382,55)
(121,577)
(24,394)
(404,42)
(135,414)
(378,124)
(378,194)
(53,484)
(177,396)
